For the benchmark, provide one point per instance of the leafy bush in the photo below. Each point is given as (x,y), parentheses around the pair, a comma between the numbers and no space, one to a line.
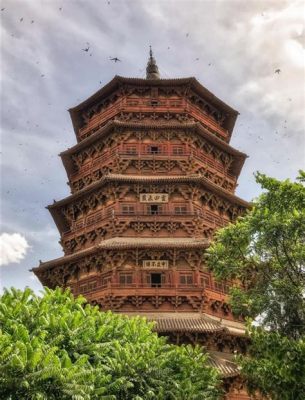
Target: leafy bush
(58,347)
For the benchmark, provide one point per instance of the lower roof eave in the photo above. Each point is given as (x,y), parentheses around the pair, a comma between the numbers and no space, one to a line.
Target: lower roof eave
(122,243)
(195,178)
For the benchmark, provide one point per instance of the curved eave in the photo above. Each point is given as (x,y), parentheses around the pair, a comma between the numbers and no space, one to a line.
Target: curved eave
(119,80)
(149,179)
(239,157)
(63,226)
(123,243)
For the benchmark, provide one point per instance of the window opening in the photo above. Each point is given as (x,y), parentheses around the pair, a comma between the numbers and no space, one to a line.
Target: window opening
(154,209)
(156,280)
(154,150)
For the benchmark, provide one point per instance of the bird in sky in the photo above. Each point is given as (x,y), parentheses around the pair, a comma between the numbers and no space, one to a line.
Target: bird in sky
(277,71)
(197,59)
(2,9)
(87,48)
(32,22)
(187,35)
(21,19)
(115,59)
(60,8)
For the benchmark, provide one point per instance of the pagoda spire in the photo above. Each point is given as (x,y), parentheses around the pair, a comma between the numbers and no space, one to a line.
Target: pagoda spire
(152,71)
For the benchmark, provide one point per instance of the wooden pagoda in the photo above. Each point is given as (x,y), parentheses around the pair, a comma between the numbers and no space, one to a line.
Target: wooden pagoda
(152,176)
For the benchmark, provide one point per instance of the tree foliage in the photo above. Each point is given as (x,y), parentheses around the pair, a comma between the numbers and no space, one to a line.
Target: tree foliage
(263,253)
(58,347)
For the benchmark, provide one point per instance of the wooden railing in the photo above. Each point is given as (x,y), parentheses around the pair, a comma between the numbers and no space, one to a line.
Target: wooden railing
(148,289)
(141,152)
(143,105)
(143,215)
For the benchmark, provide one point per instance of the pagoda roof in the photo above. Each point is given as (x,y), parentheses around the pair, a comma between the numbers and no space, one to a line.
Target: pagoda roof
(226,367)
(118,81)
(196,178)
(194,322)
(191,322)
(197,126)
(121,243)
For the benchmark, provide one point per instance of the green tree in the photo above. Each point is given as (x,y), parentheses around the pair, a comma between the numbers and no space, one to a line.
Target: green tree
(58,347)
(264,254)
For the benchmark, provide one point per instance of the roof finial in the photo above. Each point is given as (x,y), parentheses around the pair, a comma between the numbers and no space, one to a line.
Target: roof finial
(152,71)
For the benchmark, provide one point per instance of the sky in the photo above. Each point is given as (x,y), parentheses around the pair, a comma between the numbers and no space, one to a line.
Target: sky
(44,72)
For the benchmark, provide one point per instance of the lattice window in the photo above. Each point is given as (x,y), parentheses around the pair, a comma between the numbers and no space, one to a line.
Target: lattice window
(106,280)
(128,209)
(181,210)
(178,150)
(83,288)
(92,285)
(205,281)
(186,279)
(125,279)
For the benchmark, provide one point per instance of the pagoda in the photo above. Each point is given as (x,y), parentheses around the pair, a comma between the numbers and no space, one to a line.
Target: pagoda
(152,177)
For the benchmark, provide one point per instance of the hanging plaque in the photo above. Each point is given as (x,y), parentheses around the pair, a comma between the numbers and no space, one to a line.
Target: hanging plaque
(153,198)
(155,264)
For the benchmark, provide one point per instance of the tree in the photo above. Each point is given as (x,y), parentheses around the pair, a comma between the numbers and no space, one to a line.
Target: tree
(58,347)
(263,254)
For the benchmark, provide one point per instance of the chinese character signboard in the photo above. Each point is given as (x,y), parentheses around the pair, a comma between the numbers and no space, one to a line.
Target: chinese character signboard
(155,264)
(153,198)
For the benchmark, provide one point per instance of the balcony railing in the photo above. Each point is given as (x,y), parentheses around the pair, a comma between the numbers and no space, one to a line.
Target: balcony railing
(138,152)
(148,289)
(141,106)
(144,215)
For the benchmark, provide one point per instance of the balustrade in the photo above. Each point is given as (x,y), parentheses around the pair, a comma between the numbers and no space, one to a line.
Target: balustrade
(155,152)
(82,287)
(144,106)
(145,214)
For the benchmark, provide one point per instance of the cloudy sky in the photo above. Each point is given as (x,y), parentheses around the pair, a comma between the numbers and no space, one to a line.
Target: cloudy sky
(44,72)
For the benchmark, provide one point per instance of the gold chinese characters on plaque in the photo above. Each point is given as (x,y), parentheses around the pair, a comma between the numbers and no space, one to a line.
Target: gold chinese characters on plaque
(153,198)
(157,264)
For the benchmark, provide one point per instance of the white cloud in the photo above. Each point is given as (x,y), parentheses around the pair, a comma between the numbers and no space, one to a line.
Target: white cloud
(13,248)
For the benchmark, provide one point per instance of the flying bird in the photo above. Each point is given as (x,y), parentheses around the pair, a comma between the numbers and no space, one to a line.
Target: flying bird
(87,48)
(277,71)
(60,8)
(32,22)
(187,35)
(197,59)
(21,19)
(2,9)
(115,59)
